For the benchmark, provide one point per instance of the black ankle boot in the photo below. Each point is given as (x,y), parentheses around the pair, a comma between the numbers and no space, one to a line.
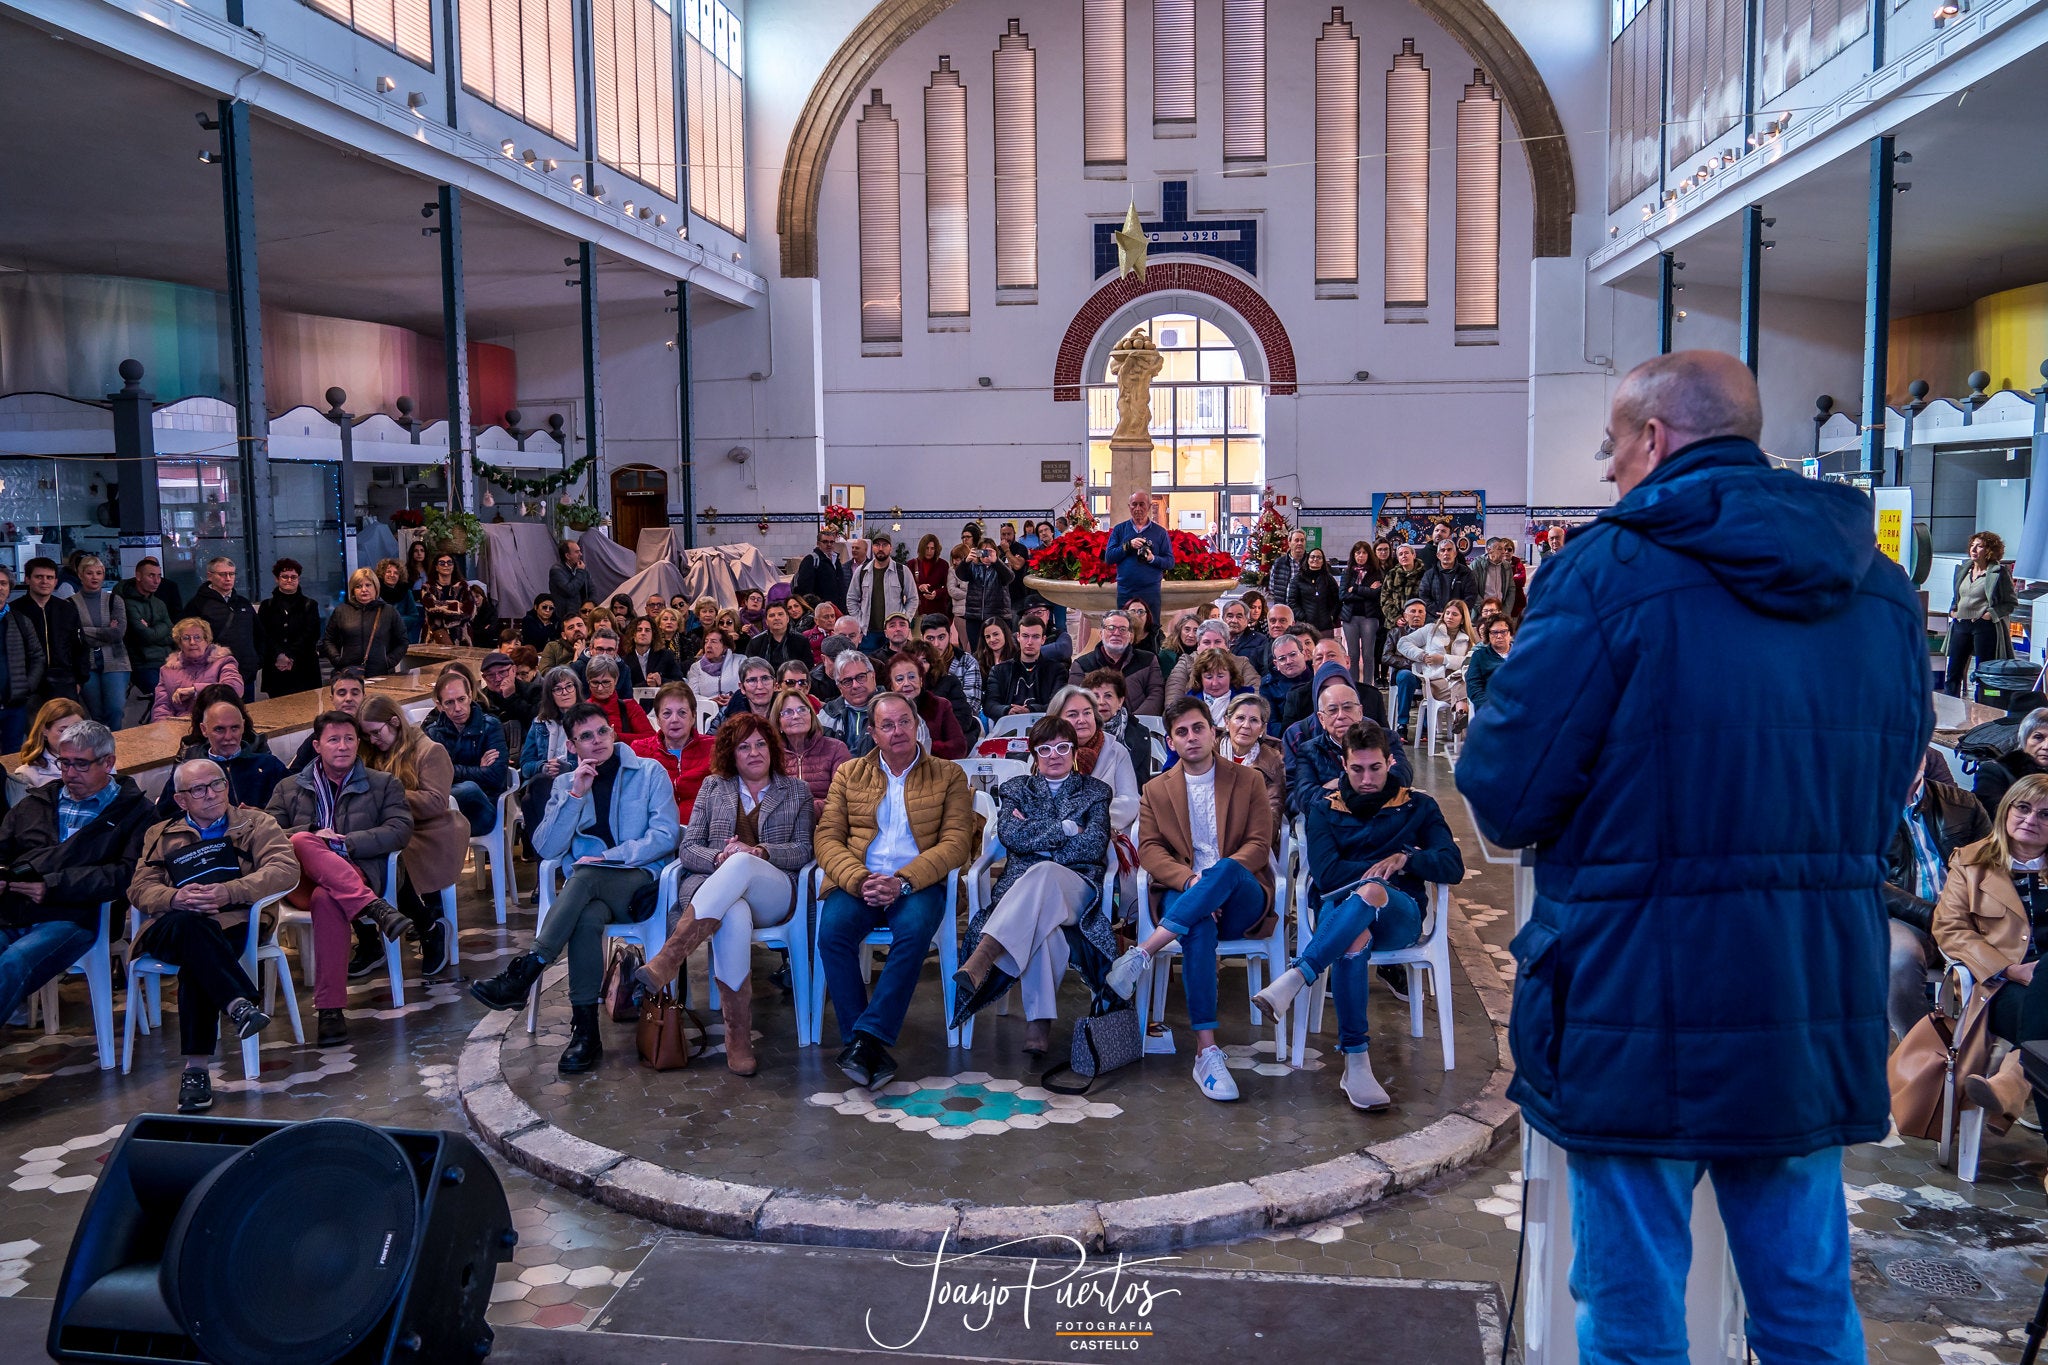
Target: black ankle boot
(508,989)
(585,1048)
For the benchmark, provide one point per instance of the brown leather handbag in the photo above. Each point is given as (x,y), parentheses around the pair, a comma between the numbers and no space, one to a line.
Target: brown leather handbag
(662,1039)
(1929,1063)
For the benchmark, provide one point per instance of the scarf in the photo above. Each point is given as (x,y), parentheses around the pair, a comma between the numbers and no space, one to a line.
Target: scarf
(1085,755)
(326,797)
(1365,805)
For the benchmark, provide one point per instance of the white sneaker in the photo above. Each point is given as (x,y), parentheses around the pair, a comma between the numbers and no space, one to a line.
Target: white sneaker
(1361,1087)
(1273,1001)
(1125,971)
(1212,1073)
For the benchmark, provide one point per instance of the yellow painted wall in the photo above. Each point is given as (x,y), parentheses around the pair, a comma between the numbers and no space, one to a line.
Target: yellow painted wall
(2005,334)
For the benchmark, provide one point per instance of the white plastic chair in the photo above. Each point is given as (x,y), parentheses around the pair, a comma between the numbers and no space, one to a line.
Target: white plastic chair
(1004,726)
(97,966)
(1431,952)
(649,933)
(947,942)
(1155,724)
(417,711)
(707,713)
(149,1013)
(1968,1143)
(1262,956)
(494,846)
(993,771)
(792,936)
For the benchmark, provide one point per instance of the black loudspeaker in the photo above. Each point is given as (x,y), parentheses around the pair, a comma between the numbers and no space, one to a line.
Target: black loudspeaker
(239,1242)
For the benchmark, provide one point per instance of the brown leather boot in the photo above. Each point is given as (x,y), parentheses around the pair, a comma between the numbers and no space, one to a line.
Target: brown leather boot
(737,1005)
(2002,1094)
(975,969)
(661,969)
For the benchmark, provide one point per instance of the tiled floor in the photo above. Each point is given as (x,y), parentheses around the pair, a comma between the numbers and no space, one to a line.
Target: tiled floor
(59,1114)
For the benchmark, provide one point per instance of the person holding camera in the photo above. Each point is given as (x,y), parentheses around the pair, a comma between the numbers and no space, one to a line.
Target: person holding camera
(1142,553)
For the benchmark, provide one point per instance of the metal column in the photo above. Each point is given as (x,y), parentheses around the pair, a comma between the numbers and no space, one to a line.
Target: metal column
(345,481)
(593,396)
(686,416)
(1877,301)
(1667,286)
(245,338)
(455,353)
(1751,328)
(142,517)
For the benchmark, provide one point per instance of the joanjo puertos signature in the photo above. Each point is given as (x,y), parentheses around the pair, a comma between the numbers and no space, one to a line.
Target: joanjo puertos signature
(1102,1306)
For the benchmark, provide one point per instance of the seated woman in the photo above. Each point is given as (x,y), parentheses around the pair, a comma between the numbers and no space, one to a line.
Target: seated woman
(38,767)
(796,677)
(1111,693)
(1097,755)
(196,662)
(475,741)
(1439,653)
(808,753)
(757,689)
(544,754)
(906,677)
(676,744)
(1213,678)
(716,672)
(223,731)
(1995,777)
(1990,918)
(1246,742)
(749,835)
(1054,827)
(753,613)
(1372,844)
(432,859)
(648,662)
(940,681)
(603,677)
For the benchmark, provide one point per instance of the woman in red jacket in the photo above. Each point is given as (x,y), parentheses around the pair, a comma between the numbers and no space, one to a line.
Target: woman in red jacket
(933,572)
(906,676)
(684,754)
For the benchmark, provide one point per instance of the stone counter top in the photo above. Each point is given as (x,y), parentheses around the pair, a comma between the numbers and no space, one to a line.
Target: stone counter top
(141,748)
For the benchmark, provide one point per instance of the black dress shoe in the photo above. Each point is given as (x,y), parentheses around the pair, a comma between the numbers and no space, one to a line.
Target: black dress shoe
(970,999)
(852,1060)
(333,1029)
(881,1066)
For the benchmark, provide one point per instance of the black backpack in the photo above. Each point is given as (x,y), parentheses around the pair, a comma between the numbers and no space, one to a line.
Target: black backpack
(1991,740)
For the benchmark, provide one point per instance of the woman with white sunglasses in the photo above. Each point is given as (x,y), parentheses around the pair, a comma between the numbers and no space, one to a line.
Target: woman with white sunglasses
(1054,826)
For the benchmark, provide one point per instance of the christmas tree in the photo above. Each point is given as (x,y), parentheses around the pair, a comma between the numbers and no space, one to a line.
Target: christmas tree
(1268,539)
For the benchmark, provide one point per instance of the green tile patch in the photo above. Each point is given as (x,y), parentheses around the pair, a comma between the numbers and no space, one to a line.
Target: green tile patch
(972,1104)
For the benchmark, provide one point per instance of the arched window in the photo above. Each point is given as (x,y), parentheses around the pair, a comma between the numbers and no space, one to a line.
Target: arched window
(1208,428)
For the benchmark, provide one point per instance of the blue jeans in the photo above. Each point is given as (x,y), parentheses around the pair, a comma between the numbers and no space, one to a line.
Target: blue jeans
(35,955)
(478,806)
(1632,1248)
(106,697)
(845,919)
(1225,903)
(1394,926)
(1406,685)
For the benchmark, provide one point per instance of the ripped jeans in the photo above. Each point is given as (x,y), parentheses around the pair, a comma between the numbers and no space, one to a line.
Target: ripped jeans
(1395,925)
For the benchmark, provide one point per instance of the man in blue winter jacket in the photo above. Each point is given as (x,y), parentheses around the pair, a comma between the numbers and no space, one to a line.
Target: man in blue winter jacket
(1142,553)
(1701,985)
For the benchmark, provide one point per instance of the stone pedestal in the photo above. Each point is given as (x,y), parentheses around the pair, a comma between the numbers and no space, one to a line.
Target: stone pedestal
(1130,471)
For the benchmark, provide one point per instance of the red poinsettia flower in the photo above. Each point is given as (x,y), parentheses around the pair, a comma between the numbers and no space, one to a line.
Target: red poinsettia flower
(1079,557)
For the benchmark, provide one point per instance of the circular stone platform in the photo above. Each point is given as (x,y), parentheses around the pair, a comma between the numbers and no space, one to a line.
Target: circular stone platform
(965,1145)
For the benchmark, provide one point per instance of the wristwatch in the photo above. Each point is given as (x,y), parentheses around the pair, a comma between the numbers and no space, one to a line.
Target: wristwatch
(903,885)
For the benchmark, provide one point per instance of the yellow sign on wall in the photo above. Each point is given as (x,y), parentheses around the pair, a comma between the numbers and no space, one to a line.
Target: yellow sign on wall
(1894,524)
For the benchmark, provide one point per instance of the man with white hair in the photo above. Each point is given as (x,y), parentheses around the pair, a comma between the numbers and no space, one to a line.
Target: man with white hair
(846,718)
(1211,634)
(67,846)
(198,877)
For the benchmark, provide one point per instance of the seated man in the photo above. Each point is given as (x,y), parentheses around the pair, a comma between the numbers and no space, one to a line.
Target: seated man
(1313,750)
(229,740)
(777,642)
(896,821)
(345,820)
(1253,646)
(1205,840)
(846,719)
(475,741)
(567,648)
(1144,684)
(68,846)
(1289,672)
(896,633)
(1411,642)
(345,694)
(199,874)
(1939,819)
(513,702)
(1372,844)
(615,815)
(1023,685)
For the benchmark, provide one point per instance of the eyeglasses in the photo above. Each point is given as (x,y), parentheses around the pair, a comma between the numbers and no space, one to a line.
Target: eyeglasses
(1059,748)
(79,765)
(213,788)
(2026,810)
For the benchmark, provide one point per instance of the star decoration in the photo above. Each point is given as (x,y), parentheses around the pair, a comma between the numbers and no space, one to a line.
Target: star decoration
(1130,247)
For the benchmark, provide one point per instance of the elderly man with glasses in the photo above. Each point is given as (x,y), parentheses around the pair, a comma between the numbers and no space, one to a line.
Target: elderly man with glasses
(1142,552)
(66,847)
(1144,684)
(199,875)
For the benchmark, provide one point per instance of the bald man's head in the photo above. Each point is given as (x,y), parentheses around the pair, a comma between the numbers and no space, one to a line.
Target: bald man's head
(1672,401)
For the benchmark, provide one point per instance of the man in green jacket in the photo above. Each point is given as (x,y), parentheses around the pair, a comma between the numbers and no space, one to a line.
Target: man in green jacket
(149,623)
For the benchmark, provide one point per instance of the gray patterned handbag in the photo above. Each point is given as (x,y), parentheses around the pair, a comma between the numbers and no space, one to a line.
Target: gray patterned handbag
(1107,1039)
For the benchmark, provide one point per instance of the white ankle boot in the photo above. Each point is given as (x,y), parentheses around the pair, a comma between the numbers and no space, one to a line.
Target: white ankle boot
(1360,1086)
(1275,999)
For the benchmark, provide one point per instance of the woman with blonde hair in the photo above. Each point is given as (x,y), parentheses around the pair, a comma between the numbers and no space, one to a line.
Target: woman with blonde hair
(196,663)
(807,751)
(365,631)
(38,766)
(1990,918)
(432,859)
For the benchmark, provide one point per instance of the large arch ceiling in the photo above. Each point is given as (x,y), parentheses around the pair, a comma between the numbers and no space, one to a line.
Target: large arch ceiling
(1471,22)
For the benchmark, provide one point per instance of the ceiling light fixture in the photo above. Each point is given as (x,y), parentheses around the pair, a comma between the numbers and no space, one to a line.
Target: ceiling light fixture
(417,102)
(508,147)
(629,208)
(576,183)
(550,165)
(385,85)
(210,158)
(529,158)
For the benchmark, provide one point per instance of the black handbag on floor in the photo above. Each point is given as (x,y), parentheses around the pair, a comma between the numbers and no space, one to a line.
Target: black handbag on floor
(1107,1039)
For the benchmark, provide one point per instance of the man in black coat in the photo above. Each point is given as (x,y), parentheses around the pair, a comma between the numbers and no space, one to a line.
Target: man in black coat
(1938,820)
(823,575)
(1449,577)
(65,848)
(778,644)
(569,582)
(1025,684)
(233,618)
(1144,684)
(54,622)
